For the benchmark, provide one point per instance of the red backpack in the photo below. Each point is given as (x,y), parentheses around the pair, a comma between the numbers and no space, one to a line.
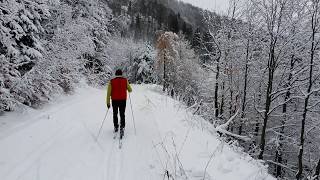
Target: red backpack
(119,88)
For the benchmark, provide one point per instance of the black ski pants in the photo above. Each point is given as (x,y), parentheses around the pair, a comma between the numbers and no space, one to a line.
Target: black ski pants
(119,105)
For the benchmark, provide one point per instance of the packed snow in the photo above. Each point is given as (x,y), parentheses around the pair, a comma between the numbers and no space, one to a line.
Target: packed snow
(58,142)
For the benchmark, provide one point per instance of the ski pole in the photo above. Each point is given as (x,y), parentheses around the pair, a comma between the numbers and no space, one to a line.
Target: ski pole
(102,125)
(134,124)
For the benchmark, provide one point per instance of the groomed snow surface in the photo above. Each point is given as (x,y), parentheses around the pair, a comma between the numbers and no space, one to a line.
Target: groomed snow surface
(58,143)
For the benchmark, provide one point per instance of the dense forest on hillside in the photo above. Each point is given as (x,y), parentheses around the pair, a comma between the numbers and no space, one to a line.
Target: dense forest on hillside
(253,73)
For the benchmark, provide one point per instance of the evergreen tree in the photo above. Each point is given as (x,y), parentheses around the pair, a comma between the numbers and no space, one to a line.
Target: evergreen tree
(20,26)
(141,70)
(197,40)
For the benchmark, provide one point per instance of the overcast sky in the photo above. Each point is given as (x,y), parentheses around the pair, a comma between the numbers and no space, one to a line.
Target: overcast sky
(219,6)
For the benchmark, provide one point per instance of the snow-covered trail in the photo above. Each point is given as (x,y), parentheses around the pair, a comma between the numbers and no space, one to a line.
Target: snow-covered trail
(58,143)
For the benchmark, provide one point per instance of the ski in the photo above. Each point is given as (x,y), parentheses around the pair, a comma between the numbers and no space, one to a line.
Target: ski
(120,139)
(115,135)
(120,143)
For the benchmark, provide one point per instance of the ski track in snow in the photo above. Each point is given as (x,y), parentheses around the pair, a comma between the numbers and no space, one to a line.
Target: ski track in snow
(58,143)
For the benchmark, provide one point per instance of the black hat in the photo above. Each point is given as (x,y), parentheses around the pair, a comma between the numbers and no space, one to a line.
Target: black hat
(118,72)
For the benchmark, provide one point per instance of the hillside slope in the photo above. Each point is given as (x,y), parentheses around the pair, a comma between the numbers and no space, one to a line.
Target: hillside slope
(58,143)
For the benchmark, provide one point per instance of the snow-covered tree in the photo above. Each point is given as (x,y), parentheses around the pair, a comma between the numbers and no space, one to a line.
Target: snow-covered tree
(140,69)
(20,45)
(49,46)
(8,75)
(167,54)
(178,64)
(187,74)
(270,53)
(20,28)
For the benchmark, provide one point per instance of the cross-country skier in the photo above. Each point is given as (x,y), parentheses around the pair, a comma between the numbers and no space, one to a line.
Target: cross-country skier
(117,90)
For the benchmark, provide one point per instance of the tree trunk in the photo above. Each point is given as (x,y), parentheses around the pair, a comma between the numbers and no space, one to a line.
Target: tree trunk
(283,122)
(301,145)
(231,100)
(216,89)
(314,24)
(222,99)
(271,69)
(257,124)
(244,99)
(317,172)
(164,72)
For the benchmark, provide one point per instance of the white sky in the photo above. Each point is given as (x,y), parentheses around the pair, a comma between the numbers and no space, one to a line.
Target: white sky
(219,6)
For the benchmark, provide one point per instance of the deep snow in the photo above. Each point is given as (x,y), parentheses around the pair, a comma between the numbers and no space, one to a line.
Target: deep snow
(58,142)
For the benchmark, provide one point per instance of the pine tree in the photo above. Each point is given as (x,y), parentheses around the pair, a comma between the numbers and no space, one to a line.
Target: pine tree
(20,28)
(21,48)
(197,41)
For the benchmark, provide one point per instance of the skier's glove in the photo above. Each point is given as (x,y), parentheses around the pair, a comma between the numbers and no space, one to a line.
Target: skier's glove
(108,105)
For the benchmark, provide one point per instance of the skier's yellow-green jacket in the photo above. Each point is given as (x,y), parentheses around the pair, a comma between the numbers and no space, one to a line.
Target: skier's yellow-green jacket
(117,89)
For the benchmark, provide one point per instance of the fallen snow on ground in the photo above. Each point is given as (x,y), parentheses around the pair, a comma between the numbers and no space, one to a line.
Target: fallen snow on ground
(58,143)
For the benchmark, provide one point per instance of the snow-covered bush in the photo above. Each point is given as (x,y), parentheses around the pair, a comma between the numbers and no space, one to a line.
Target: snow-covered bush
(140,69)
(8,76)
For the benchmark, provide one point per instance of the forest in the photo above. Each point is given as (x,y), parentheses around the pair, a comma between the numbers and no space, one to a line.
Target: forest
(253,73)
